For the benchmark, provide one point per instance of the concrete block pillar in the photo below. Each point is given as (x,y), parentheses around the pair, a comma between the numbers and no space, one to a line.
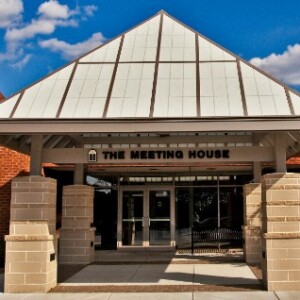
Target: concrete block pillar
(77,236)
(31,264)
(281,231)
(252,223)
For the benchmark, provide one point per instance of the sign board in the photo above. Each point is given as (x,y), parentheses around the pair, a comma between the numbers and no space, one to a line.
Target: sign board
(159,155)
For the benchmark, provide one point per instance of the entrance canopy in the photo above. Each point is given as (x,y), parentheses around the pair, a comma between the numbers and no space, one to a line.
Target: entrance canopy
(161,84)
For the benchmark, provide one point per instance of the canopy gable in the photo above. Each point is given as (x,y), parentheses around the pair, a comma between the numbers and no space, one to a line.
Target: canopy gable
(159,69)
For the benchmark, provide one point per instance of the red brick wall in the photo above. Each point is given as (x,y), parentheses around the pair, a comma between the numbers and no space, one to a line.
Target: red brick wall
(12,164)
(294,160)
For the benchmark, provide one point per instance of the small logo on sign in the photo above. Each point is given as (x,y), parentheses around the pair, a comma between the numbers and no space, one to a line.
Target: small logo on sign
(92,157)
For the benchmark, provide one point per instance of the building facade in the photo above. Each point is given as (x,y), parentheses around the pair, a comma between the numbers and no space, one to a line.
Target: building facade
(167,132)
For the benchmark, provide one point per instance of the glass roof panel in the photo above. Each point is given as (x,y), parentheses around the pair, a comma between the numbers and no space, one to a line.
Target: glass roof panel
(43,99)
(219,83)
(6,107)
(296,102)
(51,107)
(88,91)
(132,91)
(253,106)
(210,52)
(270,95)
(106,53)
(175,93)
(207,106)
(140,44)
(177,42)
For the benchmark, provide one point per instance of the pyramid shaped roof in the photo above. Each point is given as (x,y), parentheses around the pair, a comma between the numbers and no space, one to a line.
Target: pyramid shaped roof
(159,69)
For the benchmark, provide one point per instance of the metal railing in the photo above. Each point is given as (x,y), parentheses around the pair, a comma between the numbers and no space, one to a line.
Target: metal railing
(216,237)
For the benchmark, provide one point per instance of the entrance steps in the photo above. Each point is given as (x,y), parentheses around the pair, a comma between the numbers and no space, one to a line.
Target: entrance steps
(201,256)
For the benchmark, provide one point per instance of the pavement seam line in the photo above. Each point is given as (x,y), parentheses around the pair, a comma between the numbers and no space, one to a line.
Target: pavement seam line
(194,270)
(276,295)
(139,267)
(109,297)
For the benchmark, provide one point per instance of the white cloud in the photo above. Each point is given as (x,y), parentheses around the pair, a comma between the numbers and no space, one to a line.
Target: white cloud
(50,15)
(284,66)
(70,51)
(29,31)
(10,12)
(12,53)
(21,64)
(54,10)
(6,56)
(90,10)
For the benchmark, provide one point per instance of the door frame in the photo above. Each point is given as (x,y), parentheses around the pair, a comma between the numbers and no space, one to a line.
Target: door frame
(146,210)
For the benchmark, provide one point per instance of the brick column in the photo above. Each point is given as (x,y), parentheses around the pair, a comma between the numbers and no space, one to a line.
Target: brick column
(252,223)
(281,228)
(31,264)
(77,237)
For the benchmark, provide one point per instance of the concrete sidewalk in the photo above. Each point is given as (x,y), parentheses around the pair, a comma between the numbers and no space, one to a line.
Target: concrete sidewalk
(155,276)
(227,274)
(160,272)
(79,280)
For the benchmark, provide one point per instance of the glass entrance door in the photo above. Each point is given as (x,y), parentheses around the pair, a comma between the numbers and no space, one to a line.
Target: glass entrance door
(145,217)
(160,209)
(133,203)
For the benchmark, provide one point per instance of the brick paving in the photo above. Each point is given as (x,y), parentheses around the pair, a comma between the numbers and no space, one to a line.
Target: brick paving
(155,289)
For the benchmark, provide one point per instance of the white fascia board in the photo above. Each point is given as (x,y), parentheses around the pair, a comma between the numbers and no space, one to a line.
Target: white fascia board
(147,126)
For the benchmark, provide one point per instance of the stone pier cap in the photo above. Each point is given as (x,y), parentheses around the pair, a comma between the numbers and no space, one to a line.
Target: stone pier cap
(29,231)
(284,178)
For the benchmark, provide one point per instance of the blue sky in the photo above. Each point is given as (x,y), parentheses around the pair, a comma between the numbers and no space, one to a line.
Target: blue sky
(37,37)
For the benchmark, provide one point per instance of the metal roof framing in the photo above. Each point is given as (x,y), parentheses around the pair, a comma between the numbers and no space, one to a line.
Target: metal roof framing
(197,76)
(66,90)
(113,77)
(156,66)
(242,88)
